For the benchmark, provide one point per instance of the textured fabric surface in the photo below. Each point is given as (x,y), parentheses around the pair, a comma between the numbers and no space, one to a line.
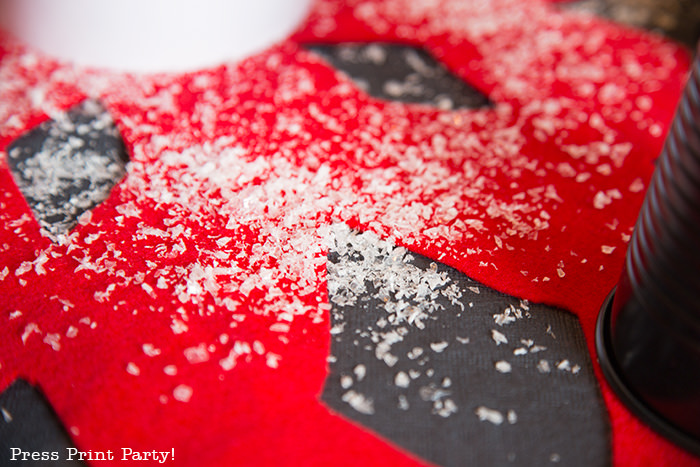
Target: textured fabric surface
(190,310)
(400,73)
(29,425)
(454,371)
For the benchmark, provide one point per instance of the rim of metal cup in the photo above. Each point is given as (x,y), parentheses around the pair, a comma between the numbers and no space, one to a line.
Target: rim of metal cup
(615,378)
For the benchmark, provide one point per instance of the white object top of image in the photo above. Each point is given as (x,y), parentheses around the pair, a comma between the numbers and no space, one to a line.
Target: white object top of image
(152,35)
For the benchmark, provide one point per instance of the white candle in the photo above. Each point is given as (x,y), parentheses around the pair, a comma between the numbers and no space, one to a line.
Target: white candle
(152,35)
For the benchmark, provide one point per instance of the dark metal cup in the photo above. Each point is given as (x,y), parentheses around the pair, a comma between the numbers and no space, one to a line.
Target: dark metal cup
(648,335)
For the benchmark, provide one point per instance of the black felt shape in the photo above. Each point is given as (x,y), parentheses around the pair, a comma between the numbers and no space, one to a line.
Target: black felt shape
(68,165)
(430,403)
(28,422)
(401,73)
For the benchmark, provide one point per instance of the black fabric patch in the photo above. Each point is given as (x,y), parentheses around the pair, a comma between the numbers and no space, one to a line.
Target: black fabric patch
(68,165)
(401,73)
(419,357)
(28,422)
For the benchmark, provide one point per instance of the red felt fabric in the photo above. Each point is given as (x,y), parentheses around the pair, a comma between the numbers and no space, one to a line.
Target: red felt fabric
(238,170)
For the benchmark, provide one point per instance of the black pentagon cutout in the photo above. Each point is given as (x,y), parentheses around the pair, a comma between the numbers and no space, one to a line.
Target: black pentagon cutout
(453,371)
(28,424)
(401,73)
(68,165)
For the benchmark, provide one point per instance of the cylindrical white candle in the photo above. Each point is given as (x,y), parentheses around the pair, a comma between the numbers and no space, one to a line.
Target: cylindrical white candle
(152,35)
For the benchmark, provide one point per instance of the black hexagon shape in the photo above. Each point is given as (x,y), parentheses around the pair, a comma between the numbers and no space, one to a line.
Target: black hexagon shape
(454,371)
(68,165)
(401,73)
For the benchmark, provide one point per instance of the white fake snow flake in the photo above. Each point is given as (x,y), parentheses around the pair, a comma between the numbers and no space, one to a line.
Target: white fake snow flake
(280,327)
(272,360)
(508,316)
(543,366)
(359,402)
(503,366)
(229,361)
(637,185)
(53,340)
(178,327)
(24,268)
(402,380)
(444,408)
(150,350)
(607,249)
(389,359)
(438,346)
(148,289)
(489,415)
(601,200)
(258,347)
(498,337)
(132,369)
(197,354)
(28,330)
(345,381)
(564,365)
(170,370)
(360,371)
(182,393)
(512,417)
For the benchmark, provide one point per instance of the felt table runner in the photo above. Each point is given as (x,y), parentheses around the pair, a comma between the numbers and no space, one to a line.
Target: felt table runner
(289,261)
